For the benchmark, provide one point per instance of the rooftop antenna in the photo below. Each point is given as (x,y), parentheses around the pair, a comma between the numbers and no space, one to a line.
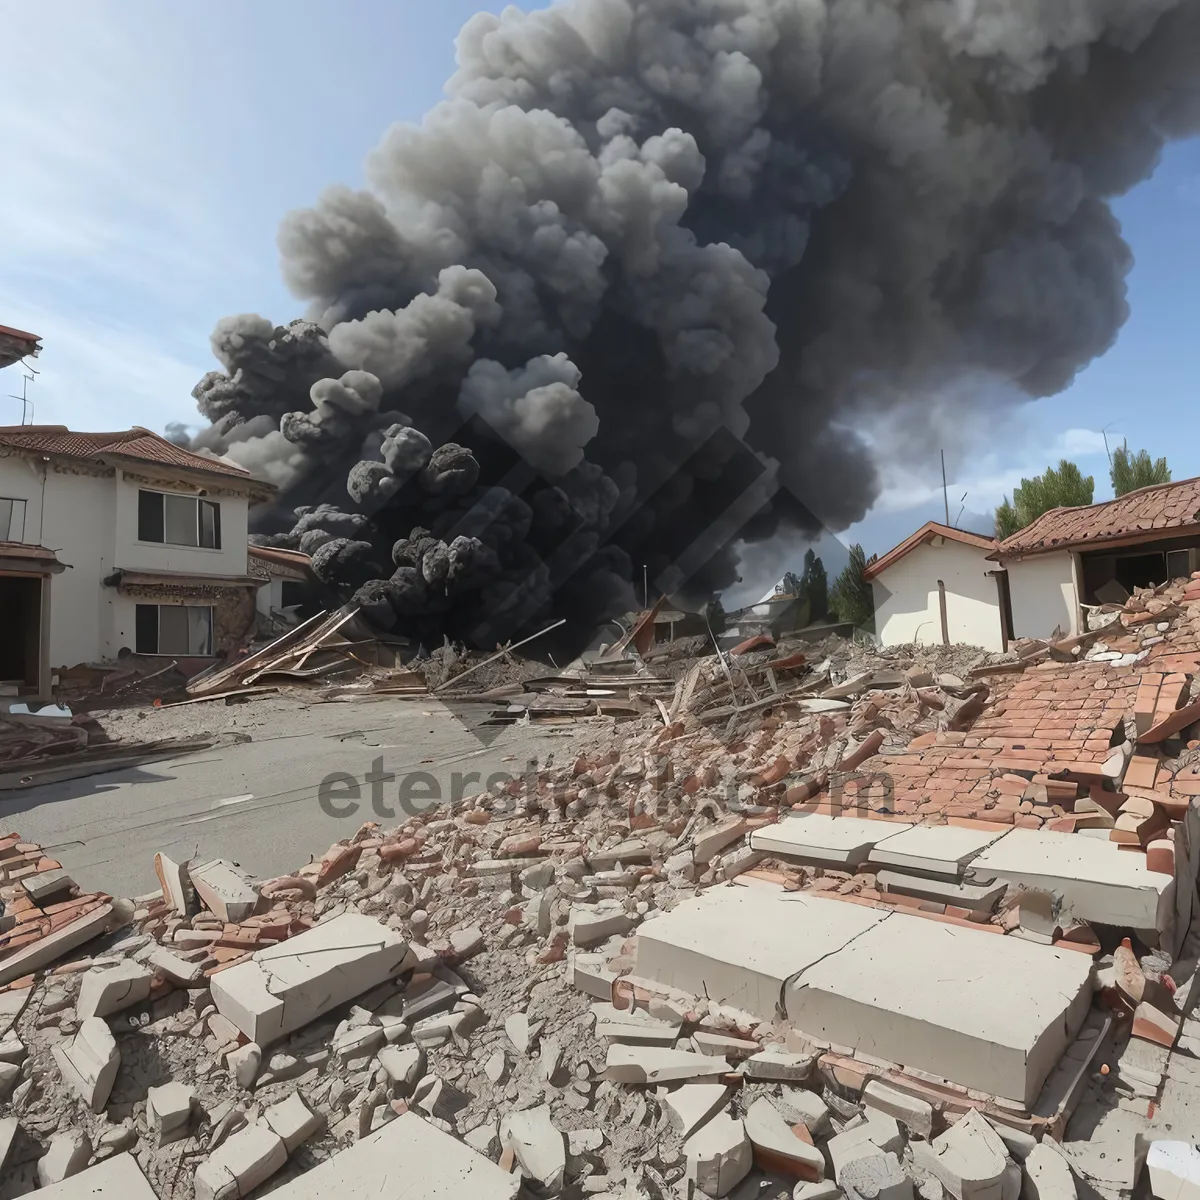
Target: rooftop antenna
(26,403)
(945,493)
(1104,435)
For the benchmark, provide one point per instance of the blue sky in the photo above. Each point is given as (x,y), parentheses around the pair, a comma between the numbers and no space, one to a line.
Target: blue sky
(151,149)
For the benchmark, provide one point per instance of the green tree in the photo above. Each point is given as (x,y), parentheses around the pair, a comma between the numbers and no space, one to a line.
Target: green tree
(852,597)
(1131,471)
(814,587)
(1063,486)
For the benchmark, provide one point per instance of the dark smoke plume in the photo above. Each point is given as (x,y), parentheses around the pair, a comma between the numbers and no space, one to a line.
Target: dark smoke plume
(622,297)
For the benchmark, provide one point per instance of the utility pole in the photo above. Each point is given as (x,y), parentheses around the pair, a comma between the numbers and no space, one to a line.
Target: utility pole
(945,493)
(646,585)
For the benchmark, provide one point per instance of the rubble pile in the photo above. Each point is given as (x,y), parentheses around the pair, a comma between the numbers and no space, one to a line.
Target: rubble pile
(785,932)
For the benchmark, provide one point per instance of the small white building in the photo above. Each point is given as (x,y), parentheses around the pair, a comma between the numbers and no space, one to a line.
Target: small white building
(151,539)
(939,587)
(944,585)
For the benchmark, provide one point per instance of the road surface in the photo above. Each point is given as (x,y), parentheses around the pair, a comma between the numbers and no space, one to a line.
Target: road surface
(259,803)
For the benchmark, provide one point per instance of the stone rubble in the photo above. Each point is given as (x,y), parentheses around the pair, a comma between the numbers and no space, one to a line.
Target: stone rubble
(473,986)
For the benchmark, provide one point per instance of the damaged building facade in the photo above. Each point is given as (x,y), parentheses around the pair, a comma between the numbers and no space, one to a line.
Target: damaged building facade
(150,548)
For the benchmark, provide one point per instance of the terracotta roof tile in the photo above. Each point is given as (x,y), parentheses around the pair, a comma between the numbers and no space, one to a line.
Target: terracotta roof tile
(1165,507)
(135,443)
(927,533)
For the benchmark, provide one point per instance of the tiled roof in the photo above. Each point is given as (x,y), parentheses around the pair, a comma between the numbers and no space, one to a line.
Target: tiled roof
(1152,512)
(136,443)
(15,344)
(927,533)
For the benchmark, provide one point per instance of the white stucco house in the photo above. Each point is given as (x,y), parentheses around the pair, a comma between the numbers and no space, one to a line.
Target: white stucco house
(938,587)
(1071,558)
(127,543)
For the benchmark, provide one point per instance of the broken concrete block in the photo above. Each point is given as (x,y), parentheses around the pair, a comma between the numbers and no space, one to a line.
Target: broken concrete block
(293,1121)
(360,1041)
(591,924)
(942,851)
(244,1064)
(969,1159)
(689,1106)
(404,1066)
(538,1146)
(48,887)
(651,1064)
(1048,1176)
(719,1156)
(878,1132)
(875,1177)
(89,1063)
(169,1111)
(108,990)
(776,1065)
(10,1076)
(915,1114)
(1174,1170)
(116,1178)
(68,1154)
(175,882)
(701,947)
(172,967)
(777,1148)
(284,987)
(711,842)
(590,975)
(436,1166)
(249,1158)
(815,837)
(224,890)
(1096,879)
(878,994)
(807,1108)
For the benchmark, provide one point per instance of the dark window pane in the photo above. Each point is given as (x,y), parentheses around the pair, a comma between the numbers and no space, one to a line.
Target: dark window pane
(146,636)
(210,524)
(150,517)
(172,629)
(180,520)
(291,592)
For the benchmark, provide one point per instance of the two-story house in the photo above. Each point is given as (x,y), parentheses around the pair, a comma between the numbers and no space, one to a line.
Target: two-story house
(115,543)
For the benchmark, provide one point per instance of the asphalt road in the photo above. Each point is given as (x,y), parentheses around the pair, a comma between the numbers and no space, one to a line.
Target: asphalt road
(259,803)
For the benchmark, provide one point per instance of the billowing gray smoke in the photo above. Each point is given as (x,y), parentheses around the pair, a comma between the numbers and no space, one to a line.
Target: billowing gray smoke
(623,297)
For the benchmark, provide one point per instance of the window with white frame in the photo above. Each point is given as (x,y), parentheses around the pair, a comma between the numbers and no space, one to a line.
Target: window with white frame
(178,520)
(12,520)
(182,629)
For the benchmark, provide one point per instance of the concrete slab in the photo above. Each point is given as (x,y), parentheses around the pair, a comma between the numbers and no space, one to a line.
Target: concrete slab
(284,987)
(118,1178)
(923,994)
(942,851)
(739,946)
(979,897)
(814,837)
(406,1158)
(1097,880)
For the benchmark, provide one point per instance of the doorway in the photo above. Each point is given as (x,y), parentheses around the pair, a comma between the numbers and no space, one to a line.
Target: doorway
(21,632)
